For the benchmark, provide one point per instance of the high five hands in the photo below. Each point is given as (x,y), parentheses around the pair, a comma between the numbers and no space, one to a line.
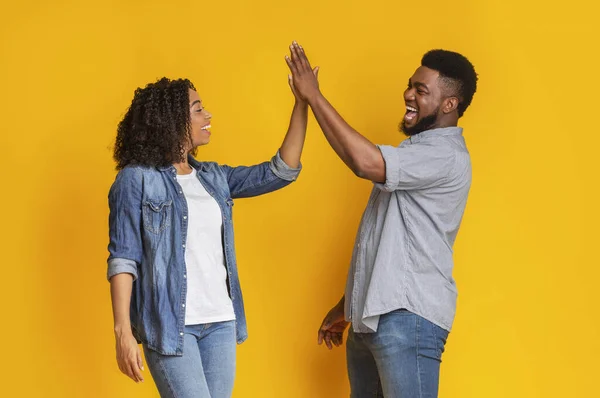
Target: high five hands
(303,79)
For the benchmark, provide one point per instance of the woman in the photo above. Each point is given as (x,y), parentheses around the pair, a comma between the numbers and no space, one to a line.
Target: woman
(172,265)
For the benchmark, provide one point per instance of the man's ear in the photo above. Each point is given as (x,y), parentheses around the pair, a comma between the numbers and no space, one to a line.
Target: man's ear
(450,105)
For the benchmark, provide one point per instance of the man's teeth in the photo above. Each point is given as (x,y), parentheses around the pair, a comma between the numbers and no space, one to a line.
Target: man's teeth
(411,109)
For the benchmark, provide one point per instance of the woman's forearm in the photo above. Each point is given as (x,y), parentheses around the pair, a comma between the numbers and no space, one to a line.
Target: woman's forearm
(291,149)
(120,292)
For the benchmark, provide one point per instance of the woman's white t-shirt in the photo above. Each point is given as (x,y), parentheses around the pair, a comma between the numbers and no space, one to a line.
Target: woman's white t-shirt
(207,299)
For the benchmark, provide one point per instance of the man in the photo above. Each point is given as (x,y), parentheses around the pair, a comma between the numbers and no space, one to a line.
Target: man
(400,295)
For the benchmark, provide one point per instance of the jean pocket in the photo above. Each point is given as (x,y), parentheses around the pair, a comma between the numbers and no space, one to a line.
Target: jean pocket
(440,335)
(431,339)
(157,215)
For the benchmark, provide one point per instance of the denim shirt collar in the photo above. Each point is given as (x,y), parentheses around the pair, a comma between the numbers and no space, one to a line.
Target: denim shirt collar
(201,166)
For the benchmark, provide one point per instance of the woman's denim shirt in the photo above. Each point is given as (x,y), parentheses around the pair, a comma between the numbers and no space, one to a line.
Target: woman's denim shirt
(148,230)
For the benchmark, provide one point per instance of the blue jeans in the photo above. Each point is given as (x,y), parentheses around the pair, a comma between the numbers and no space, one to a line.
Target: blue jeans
(401,360)
(207,367)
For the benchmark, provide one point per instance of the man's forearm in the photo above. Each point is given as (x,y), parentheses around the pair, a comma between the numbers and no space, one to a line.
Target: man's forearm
(357,152)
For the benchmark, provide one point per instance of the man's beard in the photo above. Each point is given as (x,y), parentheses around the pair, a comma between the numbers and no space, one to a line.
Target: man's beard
(425,123)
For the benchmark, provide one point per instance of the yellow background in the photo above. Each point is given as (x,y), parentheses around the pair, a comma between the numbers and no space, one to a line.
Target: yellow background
(526,257)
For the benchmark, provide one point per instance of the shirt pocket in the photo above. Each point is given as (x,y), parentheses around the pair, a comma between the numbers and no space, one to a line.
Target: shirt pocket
(157,215)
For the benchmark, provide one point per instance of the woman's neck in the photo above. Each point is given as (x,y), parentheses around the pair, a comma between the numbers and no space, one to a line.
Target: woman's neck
(183,167)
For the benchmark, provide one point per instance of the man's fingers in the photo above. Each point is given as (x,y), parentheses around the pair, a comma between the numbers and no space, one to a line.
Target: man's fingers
(328,340)
(326,324)
(301,53)
(291,65)
(320,337)
(338,339)
(301,56)
(334,339)
(316,72)
(295,56)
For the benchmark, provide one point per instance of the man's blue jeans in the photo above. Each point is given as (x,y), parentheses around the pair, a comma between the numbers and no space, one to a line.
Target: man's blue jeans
(401,360)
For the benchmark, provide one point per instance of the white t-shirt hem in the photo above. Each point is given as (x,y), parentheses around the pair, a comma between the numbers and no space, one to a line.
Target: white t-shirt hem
(213,319)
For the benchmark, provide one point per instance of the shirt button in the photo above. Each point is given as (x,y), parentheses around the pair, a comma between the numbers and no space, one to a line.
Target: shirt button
(185,277)
(185,217)
(180,191)
(183,305)
(183,245)
(181,334)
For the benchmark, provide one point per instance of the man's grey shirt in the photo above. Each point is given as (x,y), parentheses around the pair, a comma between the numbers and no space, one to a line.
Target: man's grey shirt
(402,257)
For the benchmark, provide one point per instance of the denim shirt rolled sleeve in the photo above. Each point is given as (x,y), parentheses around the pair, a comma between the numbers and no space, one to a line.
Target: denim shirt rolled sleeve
(249,181)
(125,245)
(282,170)
(121,266)
(415,166)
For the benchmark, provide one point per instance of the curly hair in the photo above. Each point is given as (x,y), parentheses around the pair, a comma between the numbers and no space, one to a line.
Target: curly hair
(156,128)
(457,73)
